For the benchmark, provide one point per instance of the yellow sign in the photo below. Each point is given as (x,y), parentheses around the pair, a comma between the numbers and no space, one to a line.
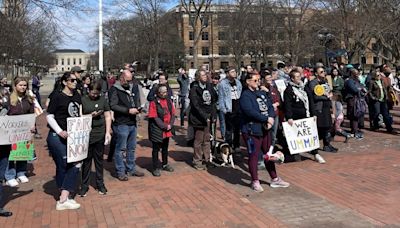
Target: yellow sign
(319,90)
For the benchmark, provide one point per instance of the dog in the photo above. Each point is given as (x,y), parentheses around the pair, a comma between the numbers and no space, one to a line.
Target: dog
(223,152)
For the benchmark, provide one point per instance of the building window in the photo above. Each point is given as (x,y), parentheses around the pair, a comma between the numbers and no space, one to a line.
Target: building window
(224,65)
(191,35)
(74,61)
(56,61)
(375,47)
(205,51)
(68,68)
(190,50)
(68,62)
(62,63)
(221,35)
(80,61)
(191,64)
(62,68)
(363,60)
(269,63)
(223,51)
(204,36)
(376,60)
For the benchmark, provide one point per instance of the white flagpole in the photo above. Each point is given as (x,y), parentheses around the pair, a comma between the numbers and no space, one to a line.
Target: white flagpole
(100,35)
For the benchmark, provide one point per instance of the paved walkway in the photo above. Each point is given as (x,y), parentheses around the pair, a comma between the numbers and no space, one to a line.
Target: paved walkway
(358,187)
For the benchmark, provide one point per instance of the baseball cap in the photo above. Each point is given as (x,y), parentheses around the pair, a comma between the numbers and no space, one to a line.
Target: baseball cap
(77,69)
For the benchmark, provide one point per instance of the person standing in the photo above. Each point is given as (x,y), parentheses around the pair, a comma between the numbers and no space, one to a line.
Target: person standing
(202,111)
(77,71)
(20,103)
(161,121)
(125,103)
(322,106)
(63,104)
(229,91)
(256,123)
(183,80)
(96,104)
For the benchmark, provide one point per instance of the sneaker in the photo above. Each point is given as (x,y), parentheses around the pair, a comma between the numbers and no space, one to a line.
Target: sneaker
(329,149)
(69,204)
(256,186)
(5,213)
(319,159)
(156,172)
(83,191)
(168,168)
(210,165)
(12,183)
(358,136)
(23,179)
(199,167)
(123,178)
(279,183)
(102,190)
(137,173)
(334,148)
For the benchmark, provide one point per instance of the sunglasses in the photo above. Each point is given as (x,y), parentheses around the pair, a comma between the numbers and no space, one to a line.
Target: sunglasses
(255,80)
(321,72)
(72,80)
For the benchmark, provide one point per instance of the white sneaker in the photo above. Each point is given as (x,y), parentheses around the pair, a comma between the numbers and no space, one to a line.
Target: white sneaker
(12,183)
(67,205)
(23,179)
(319,159)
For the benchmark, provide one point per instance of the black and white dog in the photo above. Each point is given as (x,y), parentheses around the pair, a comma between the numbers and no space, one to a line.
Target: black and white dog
(222,152)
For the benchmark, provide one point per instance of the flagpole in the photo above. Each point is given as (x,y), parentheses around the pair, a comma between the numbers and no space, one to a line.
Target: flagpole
(100,35)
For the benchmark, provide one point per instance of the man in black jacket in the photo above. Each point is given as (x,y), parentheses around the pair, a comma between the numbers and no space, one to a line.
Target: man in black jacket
(202,110)
(125,102)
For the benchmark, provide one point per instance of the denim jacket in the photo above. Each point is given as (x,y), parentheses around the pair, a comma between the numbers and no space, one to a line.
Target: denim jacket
(225,96)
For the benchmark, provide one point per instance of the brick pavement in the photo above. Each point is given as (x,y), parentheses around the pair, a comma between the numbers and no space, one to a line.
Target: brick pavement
(358,187)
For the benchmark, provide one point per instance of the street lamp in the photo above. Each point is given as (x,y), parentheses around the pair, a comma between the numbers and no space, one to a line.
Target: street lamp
(5,62)
(325,37)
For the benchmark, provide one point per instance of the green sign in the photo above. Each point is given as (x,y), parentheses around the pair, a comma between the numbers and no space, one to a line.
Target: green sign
(22,151)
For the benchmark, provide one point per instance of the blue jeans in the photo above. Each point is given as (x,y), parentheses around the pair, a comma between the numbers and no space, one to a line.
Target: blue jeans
(4,153)
(221,117)
(66,173)
(15,169)
(126,141)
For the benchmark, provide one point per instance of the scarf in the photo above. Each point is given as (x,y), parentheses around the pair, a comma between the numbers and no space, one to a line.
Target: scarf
(301,95)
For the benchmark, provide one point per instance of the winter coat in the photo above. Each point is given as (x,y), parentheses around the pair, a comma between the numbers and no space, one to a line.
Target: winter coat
(225,94)
(322,104)
(202,104)
(294,107)
(121,100)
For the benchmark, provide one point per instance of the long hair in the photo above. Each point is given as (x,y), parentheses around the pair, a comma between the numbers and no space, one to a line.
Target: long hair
(14,95)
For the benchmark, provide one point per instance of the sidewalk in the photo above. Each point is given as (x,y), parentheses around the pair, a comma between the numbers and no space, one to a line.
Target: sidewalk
(358,187)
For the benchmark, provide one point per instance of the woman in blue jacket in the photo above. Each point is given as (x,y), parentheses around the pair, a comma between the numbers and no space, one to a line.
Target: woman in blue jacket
(257,116)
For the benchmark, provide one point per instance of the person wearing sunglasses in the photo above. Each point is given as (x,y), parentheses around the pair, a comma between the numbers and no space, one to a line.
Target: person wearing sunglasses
(257,120)
(323,107)
(63,104)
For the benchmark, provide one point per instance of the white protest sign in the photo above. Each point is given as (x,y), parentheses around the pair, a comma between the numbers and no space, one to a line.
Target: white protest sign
(192,75)
(302,136)
(78,129)
(17,128)
(280,84)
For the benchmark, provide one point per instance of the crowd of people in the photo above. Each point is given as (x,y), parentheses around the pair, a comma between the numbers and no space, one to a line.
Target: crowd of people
(247,106)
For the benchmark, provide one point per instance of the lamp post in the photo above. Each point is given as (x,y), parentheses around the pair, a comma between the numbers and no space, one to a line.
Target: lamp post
(4,62)
(325,37)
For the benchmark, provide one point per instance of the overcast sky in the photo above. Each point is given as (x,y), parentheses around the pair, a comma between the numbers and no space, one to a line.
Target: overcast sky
(82,28)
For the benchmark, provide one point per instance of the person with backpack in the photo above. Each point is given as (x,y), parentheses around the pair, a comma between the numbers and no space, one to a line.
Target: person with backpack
(161,121)
(356,104)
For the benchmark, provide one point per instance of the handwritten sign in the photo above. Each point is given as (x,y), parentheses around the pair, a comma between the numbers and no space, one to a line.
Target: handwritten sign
(15,129)
(281,86)
(302,136)
(78,129)
(192,75)
(22,151)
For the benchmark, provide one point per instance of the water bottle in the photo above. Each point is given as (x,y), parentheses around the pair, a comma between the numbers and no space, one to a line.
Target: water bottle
(250,145)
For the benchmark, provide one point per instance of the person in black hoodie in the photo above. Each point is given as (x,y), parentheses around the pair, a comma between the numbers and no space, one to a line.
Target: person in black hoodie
(202,111)
(125,102)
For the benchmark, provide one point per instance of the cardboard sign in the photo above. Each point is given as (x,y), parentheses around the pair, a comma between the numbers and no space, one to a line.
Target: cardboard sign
(280,84)
(17,128)
(192,75)
(22,151)
(302,136)
(78,129)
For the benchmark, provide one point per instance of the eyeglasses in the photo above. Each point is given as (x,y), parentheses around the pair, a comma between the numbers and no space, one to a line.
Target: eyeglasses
(255,80)
(321,72)
(72,80)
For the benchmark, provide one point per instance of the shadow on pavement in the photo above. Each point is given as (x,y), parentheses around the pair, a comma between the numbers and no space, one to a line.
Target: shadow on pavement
(11,193)
(50,188)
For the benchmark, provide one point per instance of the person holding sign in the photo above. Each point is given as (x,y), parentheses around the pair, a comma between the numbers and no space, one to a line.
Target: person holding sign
(98,107)
(256,122)
(161,121)
(321,98)
(297,104)
(20,103)
(63,104)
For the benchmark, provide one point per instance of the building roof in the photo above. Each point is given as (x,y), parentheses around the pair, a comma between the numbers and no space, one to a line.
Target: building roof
(68,51)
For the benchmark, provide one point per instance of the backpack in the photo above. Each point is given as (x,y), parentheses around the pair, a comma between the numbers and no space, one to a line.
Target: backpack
(360,106)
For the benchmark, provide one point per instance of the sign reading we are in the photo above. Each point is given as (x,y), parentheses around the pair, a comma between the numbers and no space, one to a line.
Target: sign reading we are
(78,129)
(302,136)
(17,128)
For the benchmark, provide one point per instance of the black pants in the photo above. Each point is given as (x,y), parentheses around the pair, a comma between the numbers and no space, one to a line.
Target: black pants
(182,100)
(164,153)
(95,153)
(232,132)
(381,108)
(324,134)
